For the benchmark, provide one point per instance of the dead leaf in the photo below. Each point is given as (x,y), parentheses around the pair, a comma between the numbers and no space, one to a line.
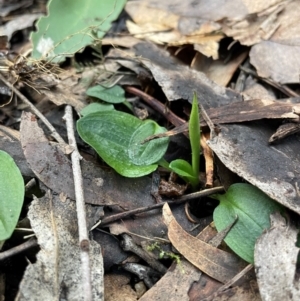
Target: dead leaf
(164,27)
(181,276)
(212,10)
(216,70)
(255,27)
(188,282)
(18,23)
(255,90)
(218,264)
(117,287)
(57,271)
(277,57)
(274,169)
(179,81)
(248,291)
(275,261)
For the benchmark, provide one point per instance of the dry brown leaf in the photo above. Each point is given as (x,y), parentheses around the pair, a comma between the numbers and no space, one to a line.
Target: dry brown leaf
(254,28)
(188,282)
(217,70)
(212,10)
(277,61)
(163,27)
(178,81)
(117,287)
(278,57)
(18,23)
(246,292)
(275,258)
(218,264)
(57,272)
(255,90)
(181,276)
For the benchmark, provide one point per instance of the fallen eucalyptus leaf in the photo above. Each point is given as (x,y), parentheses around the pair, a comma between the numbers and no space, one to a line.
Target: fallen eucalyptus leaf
(216,263)
(252,208)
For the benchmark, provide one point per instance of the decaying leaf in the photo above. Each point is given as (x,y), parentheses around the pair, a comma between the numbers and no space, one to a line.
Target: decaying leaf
(274,169)
(57,271)
(179,81)
(216,263)
(182,275)
(276,256)
(163,27)
(117,287)
(277,57)
(217,70)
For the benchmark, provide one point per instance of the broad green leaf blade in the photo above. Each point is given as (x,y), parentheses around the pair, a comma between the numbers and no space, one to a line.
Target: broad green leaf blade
(110,133)
(96,107)
(149,152)
(252,208)
(71,25)
(11,195)
(114,94)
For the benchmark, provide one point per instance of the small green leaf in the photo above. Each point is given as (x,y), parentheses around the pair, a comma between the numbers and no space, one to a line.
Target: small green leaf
(12,192)
(112,95)
(111,133)
(252,208)
(184,170)
(96,107)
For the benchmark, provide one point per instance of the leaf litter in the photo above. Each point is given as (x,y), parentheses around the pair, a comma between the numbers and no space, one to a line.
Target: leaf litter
(207,50)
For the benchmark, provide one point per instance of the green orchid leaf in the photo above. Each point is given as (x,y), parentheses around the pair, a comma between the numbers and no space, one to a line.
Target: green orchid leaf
(194,134)
(252,208)
(114,94)
(96,107)
(150,152)
(12,192)
(72,25)
(184,170)
(111,133)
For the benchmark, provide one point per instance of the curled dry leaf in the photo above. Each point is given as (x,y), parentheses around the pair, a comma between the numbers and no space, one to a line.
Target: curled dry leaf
(216,263)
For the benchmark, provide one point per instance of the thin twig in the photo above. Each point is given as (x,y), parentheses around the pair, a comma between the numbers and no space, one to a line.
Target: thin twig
(179,200)
(54,133)
(81,215)
(157,105)
(18,249)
